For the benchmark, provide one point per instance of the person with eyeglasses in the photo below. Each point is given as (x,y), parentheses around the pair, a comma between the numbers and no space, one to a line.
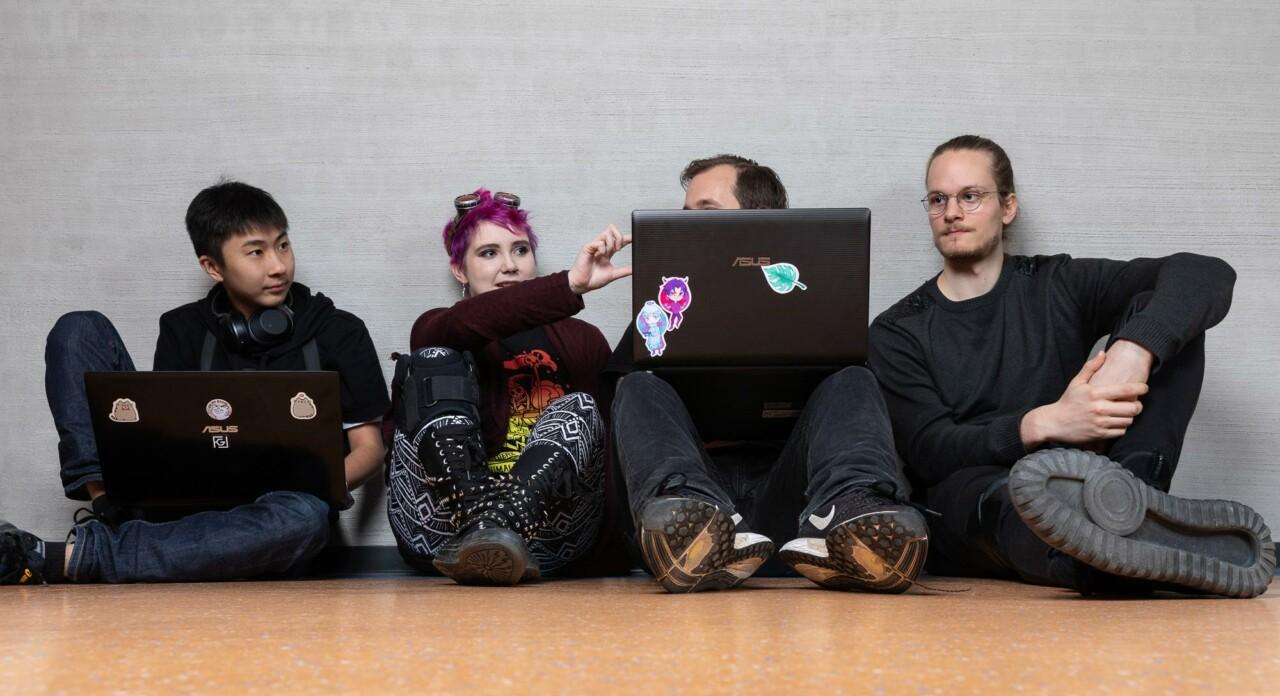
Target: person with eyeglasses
(1046,464)
(497,468)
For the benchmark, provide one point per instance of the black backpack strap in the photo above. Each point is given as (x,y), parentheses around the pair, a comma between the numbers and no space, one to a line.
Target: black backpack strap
(206,353)
(311,355)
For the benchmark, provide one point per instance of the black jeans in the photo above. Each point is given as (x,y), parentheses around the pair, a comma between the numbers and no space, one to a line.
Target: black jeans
(979,533)
(842,440)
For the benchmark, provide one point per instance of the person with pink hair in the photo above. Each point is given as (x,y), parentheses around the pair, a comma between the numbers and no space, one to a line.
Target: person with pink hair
(497,470)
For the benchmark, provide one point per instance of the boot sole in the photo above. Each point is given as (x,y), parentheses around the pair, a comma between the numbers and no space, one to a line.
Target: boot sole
(876,552)
(491,557)
(690,546)
(1092,509)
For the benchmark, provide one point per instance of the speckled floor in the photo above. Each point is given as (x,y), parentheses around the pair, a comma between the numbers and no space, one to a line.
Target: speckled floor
(623,634)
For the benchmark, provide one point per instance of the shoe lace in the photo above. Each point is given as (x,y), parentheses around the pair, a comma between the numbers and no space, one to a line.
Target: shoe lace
(502,500)
(84,515)
(477,497)
(458,450)
(554,479)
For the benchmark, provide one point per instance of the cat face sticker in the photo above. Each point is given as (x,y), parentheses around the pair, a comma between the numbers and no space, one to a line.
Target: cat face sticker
(653,323)
(218,409)
(675,296)
(123,411)
(302,407)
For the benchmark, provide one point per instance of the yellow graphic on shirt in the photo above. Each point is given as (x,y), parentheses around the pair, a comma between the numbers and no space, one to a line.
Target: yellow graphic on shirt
(531,387)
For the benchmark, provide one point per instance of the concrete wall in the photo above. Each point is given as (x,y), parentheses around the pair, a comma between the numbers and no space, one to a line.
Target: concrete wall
(1135,129)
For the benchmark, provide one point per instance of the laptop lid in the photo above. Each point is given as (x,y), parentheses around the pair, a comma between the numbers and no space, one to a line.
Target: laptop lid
(217,439)
(750,287)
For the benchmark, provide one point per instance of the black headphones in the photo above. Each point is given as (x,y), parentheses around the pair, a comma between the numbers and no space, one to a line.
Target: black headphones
(267,328)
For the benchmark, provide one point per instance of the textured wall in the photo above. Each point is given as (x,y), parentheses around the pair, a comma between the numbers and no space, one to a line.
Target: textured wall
(1135,129)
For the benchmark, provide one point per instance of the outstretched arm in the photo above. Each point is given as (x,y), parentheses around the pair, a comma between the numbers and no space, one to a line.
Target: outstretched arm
(475,321)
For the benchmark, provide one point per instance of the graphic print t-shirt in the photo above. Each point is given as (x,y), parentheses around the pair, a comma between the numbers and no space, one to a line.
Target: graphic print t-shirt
(535,377)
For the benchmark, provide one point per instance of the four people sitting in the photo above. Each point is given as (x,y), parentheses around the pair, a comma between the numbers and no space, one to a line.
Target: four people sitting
(510,456)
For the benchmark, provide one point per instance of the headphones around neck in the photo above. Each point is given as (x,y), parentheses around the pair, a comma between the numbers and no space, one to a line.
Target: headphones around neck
(267,328)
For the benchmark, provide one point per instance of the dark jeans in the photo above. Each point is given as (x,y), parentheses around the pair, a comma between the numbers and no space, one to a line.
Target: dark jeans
(842,441)
(979,533)
(274,534)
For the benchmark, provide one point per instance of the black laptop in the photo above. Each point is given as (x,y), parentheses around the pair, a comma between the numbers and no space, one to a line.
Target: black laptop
(745,312)
(213,440)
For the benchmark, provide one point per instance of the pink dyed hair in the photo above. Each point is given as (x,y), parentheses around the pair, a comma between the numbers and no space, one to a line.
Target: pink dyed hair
(457,233)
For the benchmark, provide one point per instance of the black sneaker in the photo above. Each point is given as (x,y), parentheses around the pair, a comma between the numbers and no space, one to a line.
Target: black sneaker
(863,541)
(691,545)
(1097,512)
(21,556)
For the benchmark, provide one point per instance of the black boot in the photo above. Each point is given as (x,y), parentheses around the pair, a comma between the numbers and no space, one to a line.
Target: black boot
(561,469)
(439,412)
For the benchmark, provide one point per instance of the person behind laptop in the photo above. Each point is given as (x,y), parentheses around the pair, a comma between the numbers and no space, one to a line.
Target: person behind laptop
(988,362)
(708,513)
(498,475)
(241,237)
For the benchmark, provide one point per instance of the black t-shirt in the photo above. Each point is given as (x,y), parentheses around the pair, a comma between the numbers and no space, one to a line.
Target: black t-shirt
(341,338)
(535,376)
(622,360)
(959,376)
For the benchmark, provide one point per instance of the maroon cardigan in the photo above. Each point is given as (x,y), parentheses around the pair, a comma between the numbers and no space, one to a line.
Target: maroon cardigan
(478,323)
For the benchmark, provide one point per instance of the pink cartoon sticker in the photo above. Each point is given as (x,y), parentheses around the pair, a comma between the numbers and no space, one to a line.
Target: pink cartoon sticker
(675,297)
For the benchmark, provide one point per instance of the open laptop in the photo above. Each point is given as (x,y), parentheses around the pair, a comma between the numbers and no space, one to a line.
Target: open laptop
(213,440)
(745,312)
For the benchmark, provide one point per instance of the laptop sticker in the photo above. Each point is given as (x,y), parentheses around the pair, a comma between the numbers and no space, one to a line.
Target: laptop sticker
(301,407)
(123,411)
(783,277)
(675,296)
(653,323)
(218,409)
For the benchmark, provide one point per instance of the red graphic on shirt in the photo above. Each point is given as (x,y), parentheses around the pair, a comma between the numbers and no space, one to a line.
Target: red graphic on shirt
(532,387)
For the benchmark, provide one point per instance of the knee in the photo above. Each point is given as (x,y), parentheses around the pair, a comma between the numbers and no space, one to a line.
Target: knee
(305,517)
(579,403)
(74,327)
(639,385)
(854,379)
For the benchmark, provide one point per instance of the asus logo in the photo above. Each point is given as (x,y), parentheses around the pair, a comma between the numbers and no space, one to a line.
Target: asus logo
(751,261)
(221,429)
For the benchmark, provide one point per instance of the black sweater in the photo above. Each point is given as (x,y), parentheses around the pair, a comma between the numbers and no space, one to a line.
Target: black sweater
(959,376)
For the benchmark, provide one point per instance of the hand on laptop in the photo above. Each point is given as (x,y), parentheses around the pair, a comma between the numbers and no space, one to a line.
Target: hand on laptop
(593,268)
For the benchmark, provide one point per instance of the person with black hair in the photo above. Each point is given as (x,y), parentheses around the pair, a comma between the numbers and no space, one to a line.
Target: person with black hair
(707,514)
(254,317)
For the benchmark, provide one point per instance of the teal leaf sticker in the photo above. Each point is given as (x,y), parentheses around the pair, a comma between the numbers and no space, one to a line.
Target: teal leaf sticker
(783,277)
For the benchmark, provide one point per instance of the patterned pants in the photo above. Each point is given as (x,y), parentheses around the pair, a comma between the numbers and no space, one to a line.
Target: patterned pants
(421,524)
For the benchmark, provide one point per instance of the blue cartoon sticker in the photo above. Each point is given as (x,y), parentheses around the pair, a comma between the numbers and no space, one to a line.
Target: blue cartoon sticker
(783,277)
(653,323)
(675,296)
